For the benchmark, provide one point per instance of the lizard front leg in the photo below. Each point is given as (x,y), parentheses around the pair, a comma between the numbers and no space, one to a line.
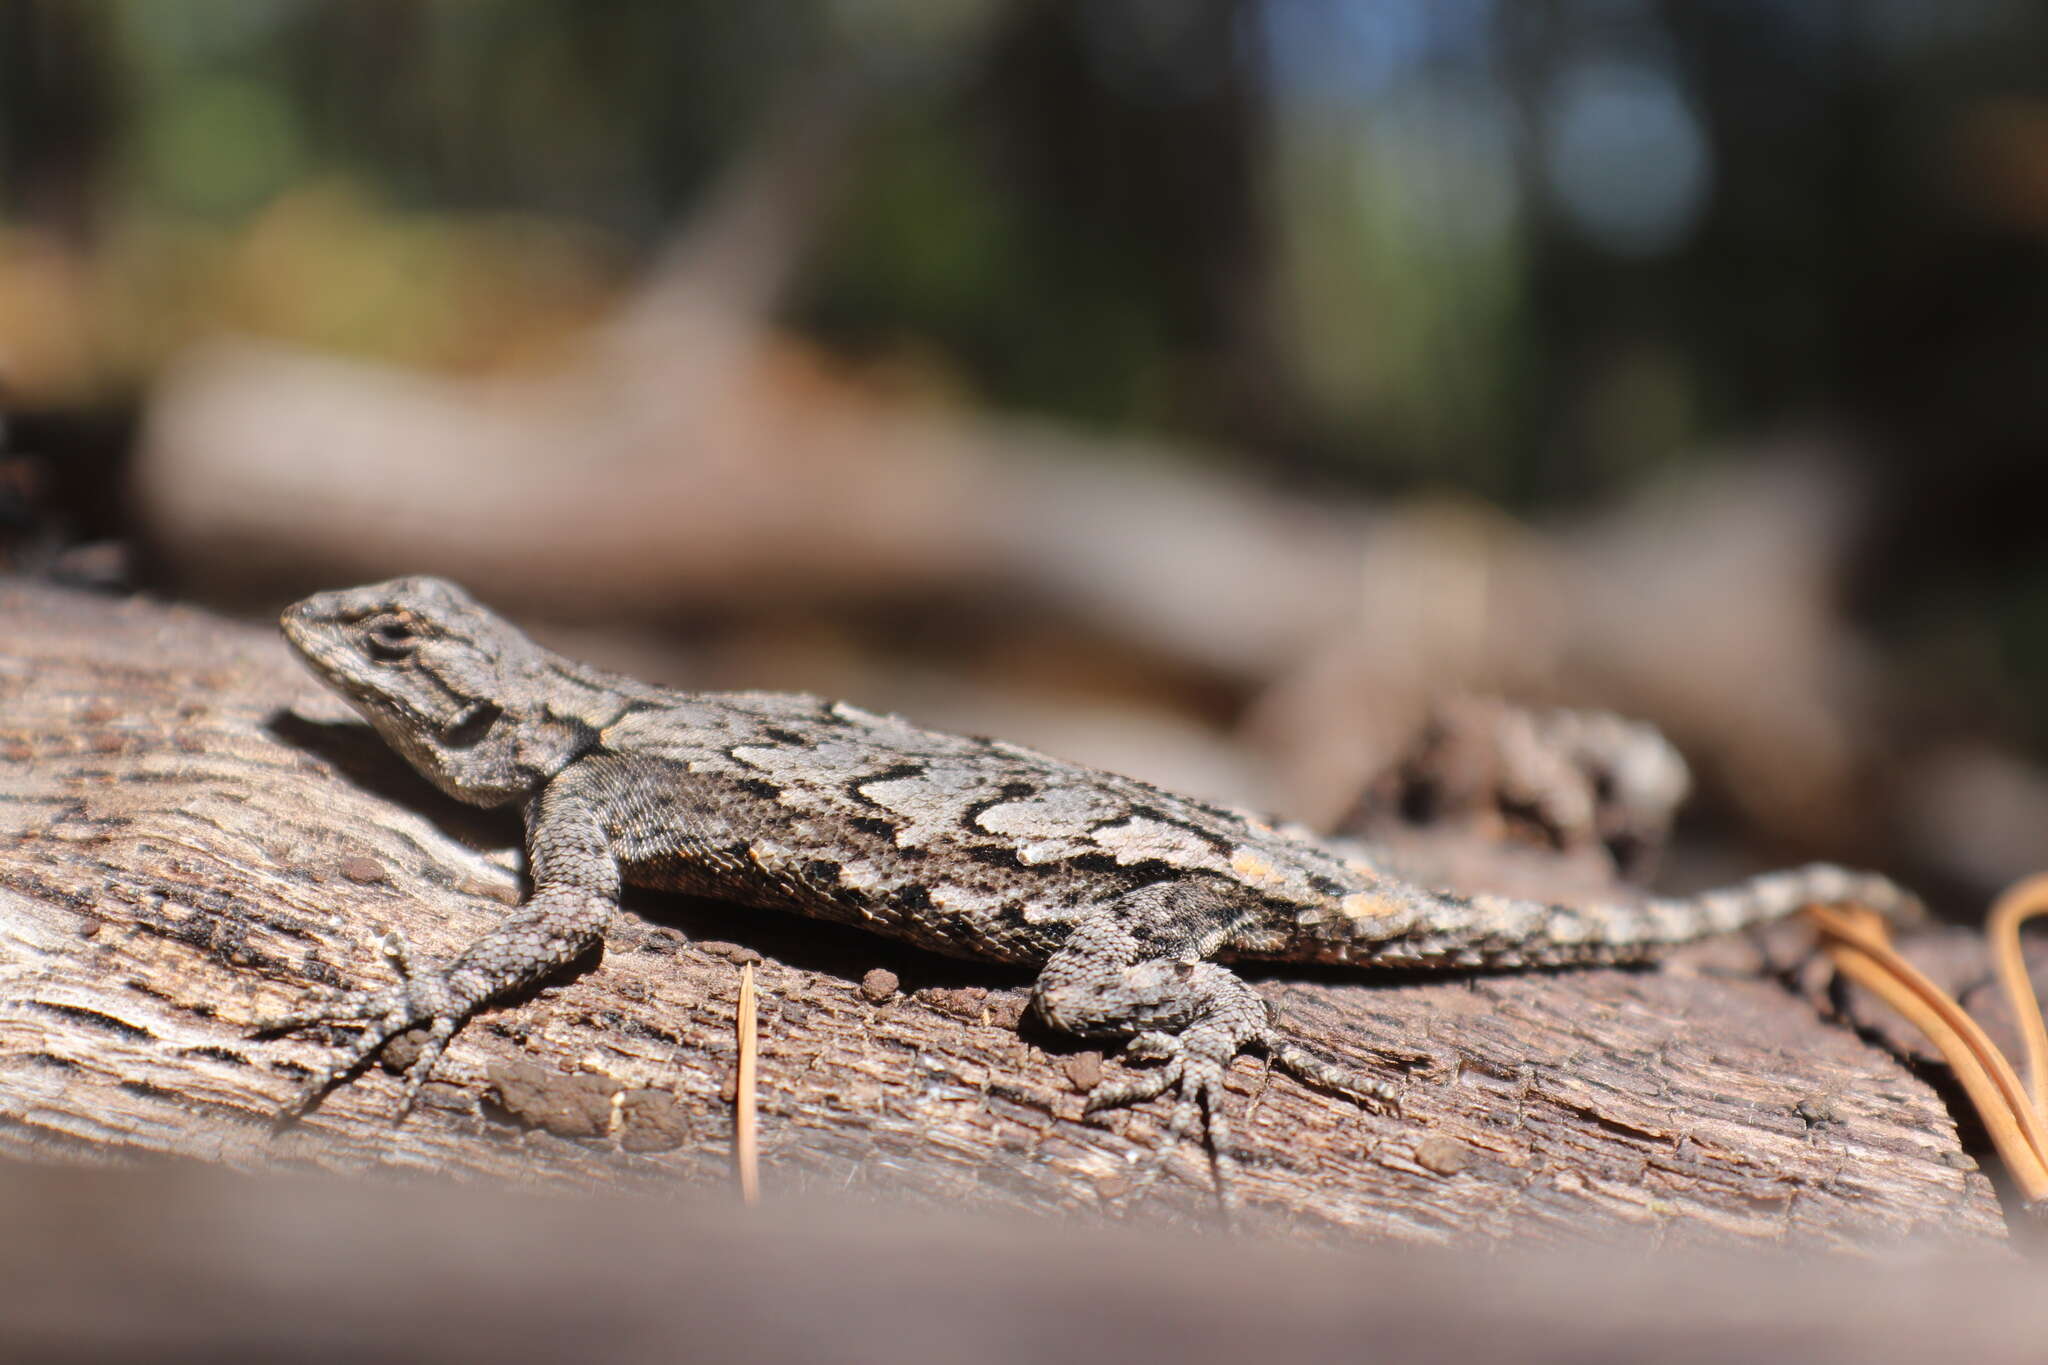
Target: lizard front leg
(1136,969)
(575,890)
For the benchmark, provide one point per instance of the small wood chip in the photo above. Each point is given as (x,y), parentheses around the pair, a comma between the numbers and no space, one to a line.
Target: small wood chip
(1442,1155)
(1084,1070)
(362,871)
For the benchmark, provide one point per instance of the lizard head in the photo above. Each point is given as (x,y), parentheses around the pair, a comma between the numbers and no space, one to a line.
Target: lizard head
(479,709)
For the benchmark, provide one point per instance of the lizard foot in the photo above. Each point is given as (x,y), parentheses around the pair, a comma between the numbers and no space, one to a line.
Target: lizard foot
(1193,1065)
(419,997)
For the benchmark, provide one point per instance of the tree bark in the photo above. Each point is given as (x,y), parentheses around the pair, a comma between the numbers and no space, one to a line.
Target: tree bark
(193,832)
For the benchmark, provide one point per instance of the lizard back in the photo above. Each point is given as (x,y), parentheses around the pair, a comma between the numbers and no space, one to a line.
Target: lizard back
(970,846)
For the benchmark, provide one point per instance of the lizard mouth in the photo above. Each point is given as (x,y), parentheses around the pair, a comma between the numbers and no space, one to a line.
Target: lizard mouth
(296,623)
(315,633)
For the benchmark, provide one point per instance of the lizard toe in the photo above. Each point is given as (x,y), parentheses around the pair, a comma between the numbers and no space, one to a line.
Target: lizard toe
(1368,1091)
(1134,1087)
(331,1007)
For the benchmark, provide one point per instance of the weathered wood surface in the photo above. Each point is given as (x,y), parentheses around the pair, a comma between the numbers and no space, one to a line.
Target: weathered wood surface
(192,831)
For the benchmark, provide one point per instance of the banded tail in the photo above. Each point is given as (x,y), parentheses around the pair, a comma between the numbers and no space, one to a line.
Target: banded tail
(1412,927)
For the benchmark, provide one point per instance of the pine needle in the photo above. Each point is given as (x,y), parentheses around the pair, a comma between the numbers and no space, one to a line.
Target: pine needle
(746,1143)
(2013,1113)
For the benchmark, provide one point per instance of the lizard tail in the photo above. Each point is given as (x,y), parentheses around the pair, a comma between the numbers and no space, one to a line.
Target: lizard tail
(1437,929)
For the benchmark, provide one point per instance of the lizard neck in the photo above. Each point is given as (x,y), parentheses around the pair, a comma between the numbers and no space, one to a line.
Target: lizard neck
(575,704)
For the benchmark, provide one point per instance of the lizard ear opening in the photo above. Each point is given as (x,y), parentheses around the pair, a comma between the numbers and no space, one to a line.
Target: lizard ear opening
(472,725)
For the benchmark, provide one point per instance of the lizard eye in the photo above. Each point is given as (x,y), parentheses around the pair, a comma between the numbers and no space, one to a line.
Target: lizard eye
(389,640)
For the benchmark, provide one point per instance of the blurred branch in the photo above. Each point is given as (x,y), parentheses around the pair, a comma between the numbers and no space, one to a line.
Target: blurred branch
(733,260)
(174,1263)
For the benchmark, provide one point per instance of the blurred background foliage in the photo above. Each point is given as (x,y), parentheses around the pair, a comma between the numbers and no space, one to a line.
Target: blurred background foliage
(1537,252)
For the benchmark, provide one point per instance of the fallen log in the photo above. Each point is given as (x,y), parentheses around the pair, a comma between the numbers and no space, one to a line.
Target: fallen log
(193,833)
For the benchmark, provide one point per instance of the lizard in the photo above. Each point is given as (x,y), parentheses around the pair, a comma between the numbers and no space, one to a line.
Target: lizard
(1131,903)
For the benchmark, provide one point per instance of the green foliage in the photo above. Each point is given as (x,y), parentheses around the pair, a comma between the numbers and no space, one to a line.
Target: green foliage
(1046,312)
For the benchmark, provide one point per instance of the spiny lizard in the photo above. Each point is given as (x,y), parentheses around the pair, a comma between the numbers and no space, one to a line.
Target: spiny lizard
(1127,900)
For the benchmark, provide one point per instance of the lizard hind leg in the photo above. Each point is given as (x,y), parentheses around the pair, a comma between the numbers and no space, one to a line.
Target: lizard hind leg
(1134,969)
